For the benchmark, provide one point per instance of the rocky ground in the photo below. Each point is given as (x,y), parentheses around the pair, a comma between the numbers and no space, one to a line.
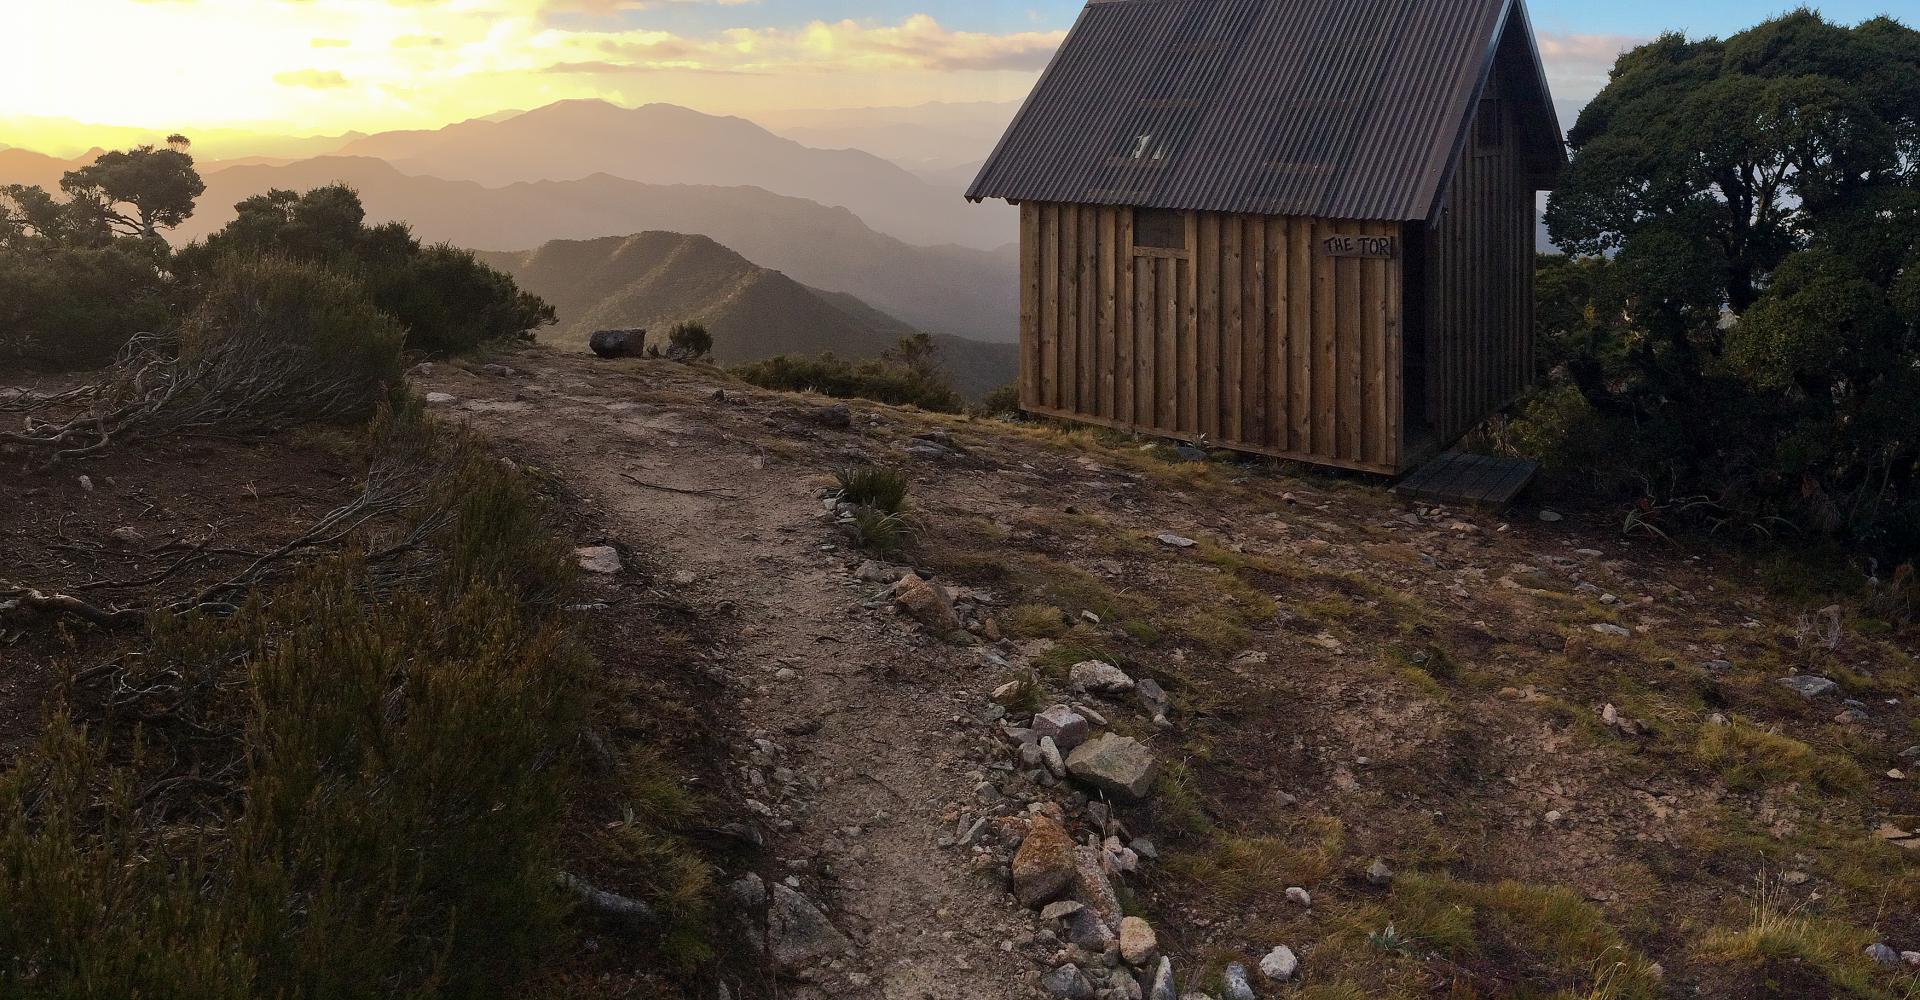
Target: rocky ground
(1115,723)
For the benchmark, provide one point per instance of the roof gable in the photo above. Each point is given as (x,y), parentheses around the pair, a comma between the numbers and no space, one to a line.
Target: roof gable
(1334,108)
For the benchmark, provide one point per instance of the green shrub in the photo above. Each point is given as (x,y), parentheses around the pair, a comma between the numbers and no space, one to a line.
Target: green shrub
(877,486)
(904,376)
(75,307)
(1001,402)
(354,790)
(447,300)
(275,339)
(689,342)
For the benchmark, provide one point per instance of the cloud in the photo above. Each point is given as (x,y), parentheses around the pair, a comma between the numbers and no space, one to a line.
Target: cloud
(312,79)
(330,43)
(1578,65)
(919,43)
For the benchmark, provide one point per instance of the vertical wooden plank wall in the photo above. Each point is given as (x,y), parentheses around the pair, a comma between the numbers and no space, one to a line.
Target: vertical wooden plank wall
(1254,338)
(1480,350)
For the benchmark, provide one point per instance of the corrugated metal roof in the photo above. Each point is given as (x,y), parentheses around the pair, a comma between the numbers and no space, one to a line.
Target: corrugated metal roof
(1348,109)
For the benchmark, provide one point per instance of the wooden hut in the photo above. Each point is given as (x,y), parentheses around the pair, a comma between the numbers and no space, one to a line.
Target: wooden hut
(1302,228)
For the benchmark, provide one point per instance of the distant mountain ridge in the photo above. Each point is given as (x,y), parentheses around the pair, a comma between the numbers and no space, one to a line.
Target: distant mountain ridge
(945,290)
(669,144)
(657,279)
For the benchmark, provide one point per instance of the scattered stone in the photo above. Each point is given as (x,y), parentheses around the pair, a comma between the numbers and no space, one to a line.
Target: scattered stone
(836,417)
(630,343)
(1153,698)
(1552,516)
(684,578)
(1086,929)
(1100,678)
(1795,877)
(601,559)
(878,572)
(1809,685)
(1162,988)
(1119,765)
(1145,848)
(1188,453)
(926,603)
(1911,958)
(1050,757)
(1608,628)
(1068,983)
(1882,954)
(441,399)
(1897,775)
(1067,727)
(1092,886)
(498,371)
(1044,866)
(1007,693)
(1061,909)
(1280,964)
(86,483)
(1379,874)
(1233,983)
(1169,538)
(798,932)
(128,537)
(1137,941)
(1296,894)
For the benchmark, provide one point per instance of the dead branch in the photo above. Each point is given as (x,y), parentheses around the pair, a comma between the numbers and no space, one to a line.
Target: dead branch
(15,598)
(716,494)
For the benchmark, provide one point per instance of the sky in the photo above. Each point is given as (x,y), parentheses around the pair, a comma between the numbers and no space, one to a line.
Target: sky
(319,67)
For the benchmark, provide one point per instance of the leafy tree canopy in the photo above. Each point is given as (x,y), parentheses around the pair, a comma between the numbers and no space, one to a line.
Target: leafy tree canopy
(1738,330)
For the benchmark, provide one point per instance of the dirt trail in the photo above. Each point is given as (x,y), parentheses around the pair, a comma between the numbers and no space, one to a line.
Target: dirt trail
(860,705)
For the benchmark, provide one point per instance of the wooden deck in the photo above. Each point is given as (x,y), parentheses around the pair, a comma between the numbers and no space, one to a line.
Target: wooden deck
(1469,480)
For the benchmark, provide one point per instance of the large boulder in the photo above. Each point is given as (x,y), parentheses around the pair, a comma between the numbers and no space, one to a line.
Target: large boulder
(618,343)
(1043,867)
(1121,766)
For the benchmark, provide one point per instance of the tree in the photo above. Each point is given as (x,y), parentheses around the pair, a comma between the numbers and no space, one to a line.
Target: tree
(139,191)
(1746,215)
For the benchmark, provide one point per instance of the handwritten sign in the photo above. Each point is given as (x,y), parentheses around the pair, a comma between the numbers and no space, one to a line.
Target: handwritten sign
(1376,247)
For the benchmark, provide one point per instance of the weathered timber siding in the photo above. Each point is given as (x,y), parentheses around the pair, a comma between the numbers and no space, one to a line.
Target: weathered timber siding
(1253,339)
(1480,286)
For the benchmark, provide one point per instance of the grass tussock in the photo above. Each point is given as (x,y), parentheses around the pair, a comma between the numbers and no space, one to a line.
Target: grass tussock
(1750,758)
(876,486)
(1546,933)
(353,784)
(1788,949)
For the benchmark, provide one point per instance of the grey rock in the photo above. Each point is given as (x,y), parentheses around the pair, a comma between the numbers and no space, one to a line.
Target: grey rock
(878,572)
(1153,698)
(1062,909)
(1233,983)
(1188,453)
(927,603)
(1138,943)
(631,343)
(1099,677)
(441,399)
(1296,894)
(1067,727)
(1379,873)
(836,417)
(1145,847)
(1280,964)
(601,559)
(1552,516)
(1162,988)
(1092,886)
(1031,756)
(796,929)
(1608,628)
(1883,954)
(1118,765)
(1911,958)
(1050,756)
(1068,983)
(1809,685)
(1086,929)
(1176,541)
(127,537)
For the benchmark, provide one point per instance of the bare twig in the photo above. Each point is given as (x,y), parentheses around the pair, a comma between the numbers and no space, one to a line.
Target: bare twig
(716,494)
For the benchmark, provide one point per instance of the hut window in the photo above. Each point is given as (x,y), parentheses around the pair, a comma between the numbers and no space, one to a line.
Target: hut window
(1490,125)
(1159,229)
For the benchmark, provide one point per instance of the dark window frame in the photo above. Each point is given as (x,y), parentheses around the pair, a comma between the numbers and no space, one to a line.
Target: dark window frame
(1490,124)
(1160,229)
